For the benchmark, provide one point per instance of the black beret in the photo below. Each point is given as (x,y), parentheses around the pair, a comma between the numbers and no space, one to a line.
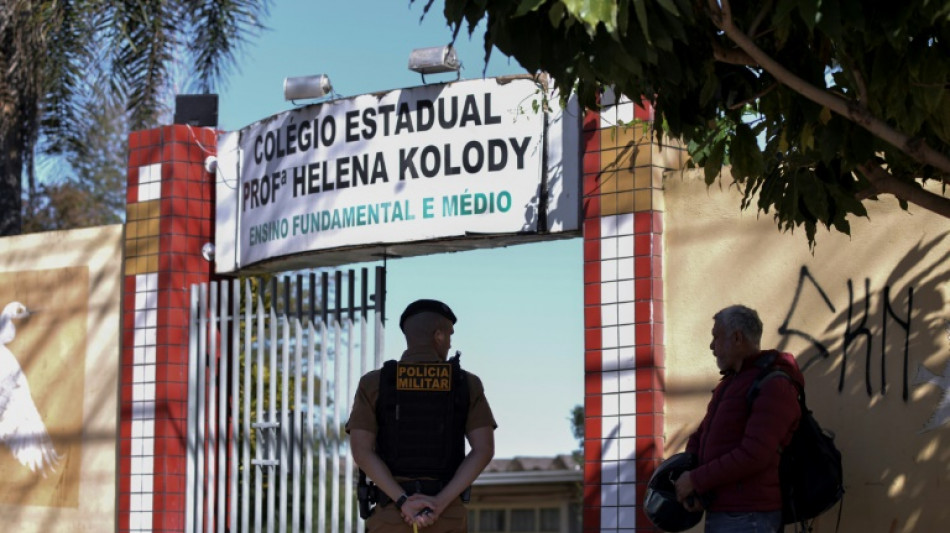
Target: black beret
(421,306)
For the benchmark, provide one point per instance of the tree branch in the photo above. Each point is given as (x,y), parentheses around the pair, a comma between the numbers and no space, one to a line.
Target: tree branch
(721,15)
(884,183)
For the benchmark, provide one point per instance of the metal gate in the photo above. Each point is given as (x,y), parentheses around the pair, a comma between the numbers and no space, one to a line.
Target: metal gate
(272,369)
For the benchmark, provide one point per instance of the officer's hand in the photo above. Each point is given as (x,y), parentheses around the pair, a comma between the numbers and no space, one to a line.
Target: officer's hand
(418,510)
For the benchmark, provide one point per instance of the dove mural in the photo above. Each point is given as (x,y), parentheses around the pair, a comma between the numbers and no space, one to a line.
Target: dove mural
(21,427)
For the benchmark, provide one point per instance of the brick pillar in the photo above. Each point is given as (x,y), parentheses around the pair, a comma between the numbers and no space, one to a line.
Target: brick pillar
(170,209)
(623,311)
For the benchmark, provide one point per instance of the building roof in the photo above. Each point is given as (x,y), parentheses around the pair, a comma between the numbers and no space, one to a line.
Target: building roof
(522,469)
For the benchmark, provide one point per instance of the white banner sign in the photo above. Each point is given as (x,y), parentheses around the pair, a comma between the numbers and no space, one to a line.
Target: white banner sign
(426,163)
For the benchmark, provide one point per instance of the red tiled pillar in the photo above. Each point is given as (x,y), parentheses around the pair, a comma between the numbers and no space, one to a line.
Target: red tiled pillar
(170,209)
(623,312)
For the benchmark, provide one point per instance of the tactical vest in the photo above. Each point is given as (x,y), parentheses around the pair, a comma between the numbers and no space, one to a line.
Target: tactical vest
(421,411)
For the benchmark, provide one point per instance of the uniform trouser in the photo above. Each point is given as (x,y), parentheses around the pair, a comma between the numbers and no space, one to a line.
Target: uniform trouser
(388,519)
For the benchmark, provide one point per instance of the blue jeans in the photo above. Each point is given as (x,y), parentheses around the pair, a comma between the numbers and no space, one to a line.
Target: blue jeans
(721,522)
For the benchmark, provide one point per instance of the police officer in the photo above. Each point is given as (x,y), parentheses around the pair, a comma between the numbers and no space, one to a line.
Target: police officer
(408,428)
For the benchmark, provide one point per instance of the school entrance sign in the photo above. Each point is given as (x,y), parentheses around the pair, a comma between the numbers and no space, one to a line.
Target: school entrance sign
(466,164)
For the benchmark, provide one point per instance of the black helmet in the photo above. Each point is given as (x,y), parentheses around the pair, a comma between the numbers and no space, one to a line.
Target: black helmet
(660,502)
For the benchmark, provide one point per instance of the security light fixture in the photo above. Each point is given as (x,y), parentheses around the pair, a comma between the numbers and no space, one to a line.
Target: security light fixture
(434,60)
(307,87)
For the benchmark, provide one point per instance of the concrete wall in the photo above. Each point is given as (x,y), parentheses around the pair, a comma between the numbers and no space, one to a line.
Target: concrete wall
(883,293)
(68,349)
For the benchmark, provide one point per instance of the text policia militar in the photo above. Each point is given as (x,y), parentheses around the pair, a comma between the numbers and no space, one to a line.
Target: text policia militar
(464,204)
(283,151)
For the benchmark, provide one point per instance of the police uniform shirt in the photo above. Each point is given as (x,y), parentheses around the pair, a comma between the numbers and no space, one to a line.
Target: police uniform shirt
(363,415)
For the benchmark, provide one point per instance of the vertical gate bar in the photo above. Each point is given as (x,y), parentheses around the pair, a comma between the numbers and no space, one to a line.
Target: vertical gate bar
(380,318)
(235,431)
(337,375)
(345,400)
(308,432)
(323,430)
(364,354)
(284,416)
(211,398)
(191,479)
(223,328)
(272,410)
(298,430)
(313,297)
(246,469)
(325,286)
(201,378)
(259,451)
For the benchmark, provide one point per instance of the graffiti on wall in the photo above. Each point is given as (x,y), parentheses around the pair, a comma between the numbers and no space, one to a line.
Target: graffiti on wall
(857,327)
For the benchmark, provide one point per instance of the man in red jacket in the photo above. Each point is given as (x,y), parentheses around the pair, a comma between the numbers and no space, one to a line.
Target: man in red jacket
(738,447)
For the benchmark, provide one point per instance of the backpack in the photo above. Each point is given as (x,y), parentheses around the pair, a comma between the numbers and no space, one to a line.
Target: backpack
(810,471)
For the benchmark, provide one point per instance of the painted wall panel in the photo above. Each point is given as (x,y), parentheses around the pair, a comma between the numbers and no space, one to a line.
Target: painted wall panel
(68,350)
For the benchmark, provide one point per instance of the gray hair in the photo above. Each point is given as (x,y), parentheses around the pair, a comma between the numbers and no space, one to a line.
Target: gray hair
(742,319)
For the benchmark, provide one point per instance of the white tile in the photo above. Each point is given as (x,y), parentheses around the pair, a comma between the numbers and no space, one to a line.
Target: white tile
(627,357)
(625,268)
(151,318)
(150,336)
(137,429)
(625,291)
(609,337)
(609,471)
(627,472)
(625,224)
(148,447)
(625,246)
(140,319)
(138,355)
(608,292)
(608,248)
(141,282)
(628,426)
(608,226)
(608,270)
(151,281)
(148,428)
(150,352)
(609,382)
(138,376)
(628,448)
(609,359)
(609,495)
(626,313)
(610,405)
(628,403)
(626,335)
(608,518)
(627,493)
(151,300)
(137,447)
(148,391)
(148,483)
(135,480)
(627,380)
(608,315)
(609,427)
(628,516)
(624,112)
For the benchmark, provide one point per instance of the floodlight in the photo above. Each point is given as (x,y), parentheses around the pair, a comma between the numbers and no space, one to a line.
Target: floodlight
(434,60)
(306,87)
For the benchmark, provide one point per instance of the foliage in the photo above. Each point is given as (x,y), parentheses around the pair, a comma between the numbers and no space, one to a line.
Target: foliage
(61,59)
(817,106)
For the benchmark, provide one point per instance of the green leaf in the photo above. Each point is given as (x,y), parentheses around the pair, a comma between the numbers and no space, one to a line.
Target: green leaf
(669,6)
(592,12)
(825,115)
(640,8)
(527,6)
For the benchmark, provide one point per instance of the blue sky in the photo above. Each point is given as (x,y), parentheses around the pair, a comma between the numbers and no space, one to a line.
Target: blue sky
(520,308)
